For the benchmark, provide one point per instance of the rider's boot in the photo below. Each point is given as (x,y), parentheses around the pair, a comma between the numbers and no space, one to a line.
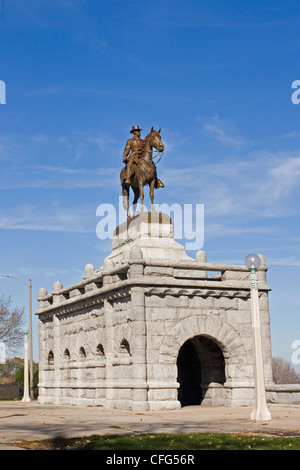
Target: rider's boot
(128,173)
(159,184)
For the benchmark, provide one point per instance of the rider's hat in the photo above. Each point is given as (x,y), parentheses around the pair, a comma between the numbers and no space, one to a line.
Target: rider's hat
(135,128)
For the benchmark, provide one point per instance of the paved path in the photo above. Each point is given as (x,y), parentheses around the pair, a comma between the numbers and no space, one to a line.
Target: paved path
(33,421)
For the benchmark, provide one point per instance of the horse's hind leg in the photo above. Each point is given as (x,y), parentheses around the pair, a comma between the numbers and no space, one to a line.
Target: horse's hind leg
(125,194)
(141,191)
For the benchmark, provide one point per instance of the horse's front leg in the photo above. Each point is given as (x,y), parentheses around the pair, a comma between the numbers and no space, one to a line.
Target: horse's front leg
(128,212)
(152,184)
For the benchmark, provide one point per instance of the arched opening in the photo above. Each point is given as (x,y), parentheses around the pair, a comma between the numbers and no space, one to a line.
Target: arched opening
(67,355)
(100,350)
(124,347)
(82,353)
(200,362)
(50,358)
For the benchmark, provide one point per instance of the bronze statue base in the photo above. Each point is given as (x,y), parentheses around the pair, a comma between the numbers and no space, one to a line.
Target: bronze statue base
(143,217)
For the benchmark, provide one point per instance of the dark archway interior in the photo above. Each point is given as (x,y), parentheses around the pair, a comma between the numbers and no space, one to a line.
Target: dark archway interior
(200,361)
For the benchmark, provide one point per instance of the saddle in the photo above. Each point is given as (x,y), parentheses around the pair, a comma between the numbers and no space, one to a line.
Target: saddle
(158,182)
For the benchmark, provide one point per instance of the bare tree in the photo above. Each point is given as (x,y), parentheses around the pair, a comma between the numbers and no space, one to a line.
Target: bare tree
(11,322)
(283,372)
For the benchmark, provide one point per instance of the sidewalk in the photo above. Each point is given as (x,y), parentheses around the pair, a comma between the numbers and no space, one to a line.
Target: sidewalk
(32,421)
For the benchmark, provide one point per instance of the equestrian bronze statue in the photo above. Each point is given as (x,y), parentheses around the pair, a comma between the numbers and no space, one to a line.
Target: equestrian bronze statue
(140,169)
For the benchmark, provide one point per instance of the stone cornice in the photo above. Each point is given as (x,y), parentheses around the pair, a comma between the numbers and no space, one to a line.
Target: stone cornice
(152,286)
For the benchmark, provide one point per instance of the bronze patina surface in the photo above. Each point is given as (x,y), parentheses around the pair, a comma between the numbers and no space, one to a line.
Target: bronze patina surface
(140,169)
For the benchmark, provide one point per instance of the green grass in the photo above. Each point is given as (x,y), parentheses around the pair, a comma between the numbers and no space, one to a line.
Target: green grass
(175,442)
(200,441)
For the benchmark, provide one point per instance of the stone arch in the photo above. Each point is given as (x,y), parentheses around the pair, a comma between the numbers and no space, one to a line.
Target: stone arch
(67,355)
(82,352)
(100,350)
(200,364)
(123,335)
(65,349)
(50,358)
(212,327)
(81,346)
(124,347)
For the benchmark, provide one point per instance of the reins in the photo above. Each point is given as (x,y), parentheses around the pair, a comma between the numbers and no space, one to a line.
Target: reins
(158,154)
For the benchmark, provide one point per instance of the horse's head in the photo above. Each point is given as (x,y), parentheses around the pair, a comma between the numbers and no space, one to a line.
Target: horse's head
(155,140)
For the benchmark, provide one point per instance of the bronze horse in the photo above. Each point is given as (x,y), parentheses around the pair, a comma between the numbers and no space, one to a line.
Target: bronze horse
(144,173)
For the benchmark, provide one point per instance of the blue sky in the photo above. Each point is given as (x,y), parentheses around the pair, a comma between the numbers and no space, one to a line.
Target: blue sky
(215,76)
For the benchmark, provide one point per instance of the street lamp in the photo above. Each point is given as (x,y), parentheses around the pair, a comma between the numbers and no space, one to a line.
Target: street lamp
(29,285)
(26,397)
(260,411)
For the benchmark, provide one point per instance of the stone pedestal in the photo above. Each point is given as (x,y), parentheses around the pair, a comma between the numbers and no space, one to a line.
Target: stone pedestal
(152,232)
(152,328)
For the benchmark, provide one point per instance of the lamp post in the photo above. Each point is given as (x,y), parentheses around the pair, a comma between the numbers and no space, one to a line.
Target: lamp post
(26,397)
(29,285)
(260,411)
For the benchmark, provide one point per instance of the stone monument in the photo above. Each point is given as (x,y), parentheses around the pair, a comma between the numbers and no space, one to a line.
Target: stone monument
(153,328)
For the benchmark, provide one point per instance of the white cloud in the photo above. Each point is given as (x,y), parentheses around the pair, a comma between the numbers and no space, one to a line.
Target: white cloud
(263,184)
(224,230)
(288,261)
(50,176)
(223,130)
(286,176)
(82,142)
(59,219)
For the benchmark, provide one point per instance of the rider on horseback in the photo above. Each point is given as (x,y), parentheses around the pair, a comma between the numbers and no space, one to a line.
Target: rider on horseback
(138,155)
(135,146)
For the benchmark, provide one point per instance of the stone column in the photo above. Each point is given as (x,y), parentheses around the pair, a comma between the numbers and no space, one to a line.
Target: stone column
(265,322)
(56,353)
(42,348)
(139,335)
(202,258)
(109,338)
(56,293)
(260,412)
(42,361)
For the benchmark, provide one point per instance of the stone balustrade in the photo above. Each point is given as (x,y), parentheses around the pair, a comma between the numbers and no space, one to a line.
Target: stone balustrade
(178,272)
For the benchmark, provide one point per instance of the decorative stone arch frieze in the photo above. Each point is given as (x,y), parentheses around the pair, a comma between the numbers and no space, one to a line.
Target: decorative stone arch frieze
(81,342)
(82,352)
(67,355)
(225,336)
(100,351)
(125,347)
(123,335)
(50,358)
